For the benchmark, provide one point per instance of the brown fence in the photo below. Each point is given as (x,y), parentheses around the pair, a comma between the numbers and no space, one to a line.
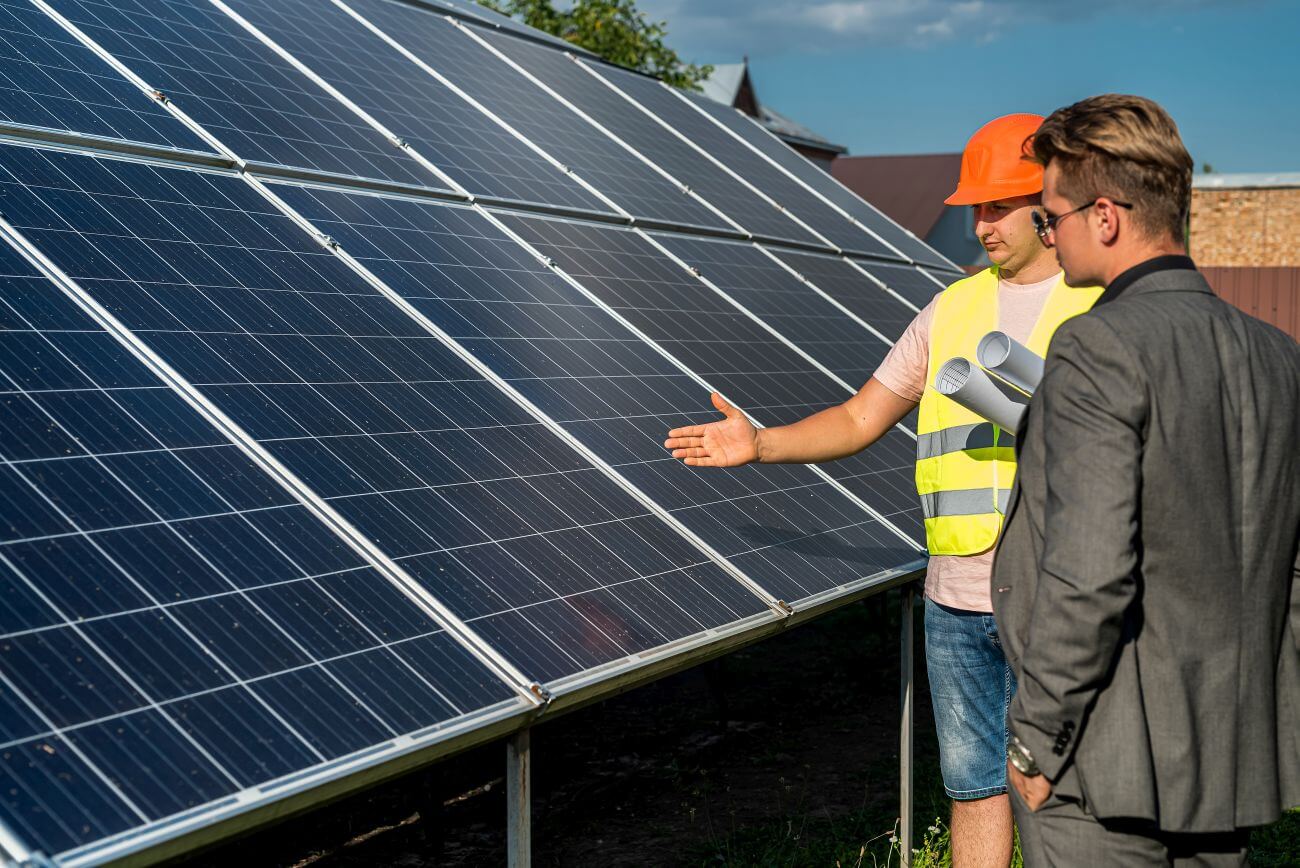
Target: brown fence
(1268,293)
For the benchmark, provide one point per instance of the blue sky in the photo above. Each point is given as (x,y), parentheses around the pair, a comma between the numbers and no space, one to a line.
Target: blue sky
(919,76)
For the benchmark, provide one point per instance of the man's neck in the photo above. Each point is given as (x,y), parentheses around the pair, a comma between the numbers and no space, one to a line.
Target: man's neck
(1124,260)
(1037,270)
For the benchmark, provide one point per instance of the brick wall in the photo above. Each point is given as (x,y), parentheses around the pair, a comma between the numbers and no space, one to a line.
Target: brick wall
(1246,227)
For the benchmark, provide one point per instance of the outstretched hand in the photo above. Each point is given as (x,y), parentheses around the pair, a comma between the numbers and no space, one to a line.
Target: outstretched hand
(730,442)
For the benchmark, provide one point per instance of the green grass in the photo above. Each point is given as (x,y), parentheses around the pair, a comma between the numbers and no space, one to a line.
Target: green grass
(869,838)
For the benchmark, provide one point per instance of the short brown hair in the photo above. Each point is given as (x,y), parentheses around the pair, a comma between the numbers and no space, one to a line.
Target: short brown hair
(1126,147)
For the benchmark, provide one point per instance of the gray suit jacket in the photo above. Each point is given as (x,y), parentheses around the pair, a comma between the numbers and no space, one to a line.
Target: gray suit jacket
(1145,585)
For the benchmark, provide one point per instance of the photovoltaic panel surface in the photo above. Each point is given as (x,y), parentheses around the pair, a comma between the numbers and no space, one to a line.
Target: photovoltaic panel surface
(782,526)
(252,100)
(818,180)
(745,207)
(765,288)
(788,192)
(541,118)
(486,508)
(483,16)
(455,136)
(48,78)
(748,364)
(853,289)
(174,626)
(910,282)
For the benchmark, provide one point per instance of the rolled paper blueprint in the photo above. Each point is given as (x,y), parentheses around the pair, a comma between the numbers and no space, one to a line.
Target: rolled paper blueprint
(1012,361)
(969,385)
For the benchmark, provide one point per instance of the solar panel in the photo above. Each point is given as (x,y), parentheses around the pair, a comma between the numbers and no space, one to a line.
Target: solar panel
(441,126)
(615,171)
(761,285)
(175,627)
(754,369)
(481,15)
(782,526)
(846,284)
(253,101)
(733,198)
(816,179)
(915,285)
(471,496)
(51,80)
(284,512)
(788,192)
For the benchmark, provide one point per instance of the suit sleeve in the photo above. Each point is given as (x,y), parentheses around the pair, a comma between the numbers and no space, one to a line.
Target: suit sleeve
(1093,404)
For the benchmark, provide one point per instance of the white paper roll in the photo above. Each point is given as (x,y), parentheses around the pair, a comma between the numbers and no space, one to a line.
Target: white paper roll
(1012,361)
(974,389)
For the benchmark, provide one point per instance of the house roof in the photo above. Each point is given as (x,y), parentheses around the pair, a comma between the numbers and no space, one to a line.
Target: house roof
(1243,180)
(723,85)
(910,188)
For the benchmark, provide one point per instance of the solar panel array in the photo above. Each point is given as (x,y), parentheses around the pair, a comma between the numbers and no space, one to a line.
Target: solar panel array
(338,342)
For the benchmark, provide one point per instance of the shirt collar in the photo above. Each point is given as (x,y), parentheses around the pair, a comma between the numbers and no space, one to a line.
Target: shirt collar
(1167,262)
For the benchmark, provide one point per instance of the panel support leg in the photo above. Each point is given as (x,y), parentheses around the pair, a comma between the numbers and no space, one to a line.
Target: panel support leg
(905,729)
(519,846)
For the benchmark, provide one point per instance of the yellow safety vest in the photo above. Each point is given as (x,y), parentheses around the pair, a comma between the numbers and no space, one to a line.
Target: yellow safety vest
(964,464)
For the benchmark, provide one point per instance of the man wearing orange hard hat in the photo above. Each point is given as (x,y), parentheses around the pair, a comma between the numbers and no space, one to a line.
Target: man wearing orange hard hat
(964,466)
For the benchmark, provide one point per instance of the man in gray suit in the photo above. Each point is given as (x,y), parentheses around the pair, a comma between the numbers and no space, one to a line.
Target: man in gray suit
(1146,581)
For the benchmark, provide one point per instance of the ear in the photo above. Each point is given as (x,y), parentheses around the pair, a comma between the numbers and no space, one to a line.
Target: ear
(1106,217)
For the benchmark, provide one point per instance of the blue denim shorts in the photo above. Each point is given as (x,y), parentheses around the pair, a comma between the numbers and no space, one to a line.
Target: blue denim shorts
(971,687)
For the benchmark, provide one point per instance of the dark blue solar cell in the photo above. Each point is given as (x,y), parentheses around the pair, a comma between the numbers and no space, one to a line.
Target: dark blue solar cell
(545,121)
(147,563)
(853,289)
(745,207)
(781,300)
(153,763)
(50,79)
(752,367)
(315,364)
(792,196)
(441,126)
(252,100)
(819,180)
(916,285)
(55,800)
(609,388)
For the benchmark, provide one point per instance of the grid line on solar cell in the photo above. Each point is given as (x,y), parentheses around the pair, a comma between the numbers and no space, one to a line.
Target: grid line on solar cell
(819,182)
(254,102)
(608,388)
(838,278)
(288,341)
(708,335)
(126,536)
(762,287)
(474,67)
(799,203)
(914,285)
(742,205)
(440,125)
(50,79)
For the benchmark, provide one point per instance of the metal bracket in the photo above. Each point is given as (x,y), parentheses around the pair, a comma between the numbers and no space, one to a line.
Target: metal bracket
(543,695)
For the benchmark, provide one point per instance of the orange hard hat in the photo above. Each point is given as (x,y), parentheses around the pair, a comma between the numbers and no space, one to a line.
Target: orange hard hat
(993,165)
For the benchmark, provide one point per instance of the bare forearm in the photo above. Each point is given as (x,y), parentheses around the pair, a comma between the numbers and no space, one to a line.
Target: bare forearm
(835,432)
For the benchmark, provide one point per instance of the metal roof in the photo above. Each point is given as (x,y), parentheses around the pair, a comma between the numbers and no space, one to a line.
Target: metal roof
(723,85)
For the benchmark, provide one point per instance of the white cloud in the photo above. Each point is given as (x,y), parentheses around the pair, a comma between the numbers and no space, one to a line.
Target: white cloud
(722,30)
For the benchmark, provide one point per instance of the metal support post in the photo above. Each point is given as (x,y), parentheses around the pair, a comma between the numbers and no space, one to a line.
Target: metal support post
(905,729)
(519,846)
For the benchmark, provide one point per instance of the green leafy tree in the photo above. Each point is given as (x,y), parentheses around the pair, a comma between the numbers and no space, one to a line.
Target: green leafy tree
(613,29)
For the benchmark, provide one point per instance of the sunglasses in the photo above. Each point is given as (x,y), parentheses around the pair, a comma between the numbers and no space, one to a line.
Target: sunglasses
(1045,224)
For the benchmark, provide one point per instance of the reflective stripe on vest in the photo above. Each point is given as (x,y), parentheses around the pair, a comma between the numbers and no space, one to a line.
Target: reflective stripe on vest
(965,464)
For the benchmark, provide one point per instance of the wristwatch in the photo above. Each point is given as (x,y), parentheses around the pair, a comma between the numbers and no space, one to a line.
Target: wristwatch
(1020,758)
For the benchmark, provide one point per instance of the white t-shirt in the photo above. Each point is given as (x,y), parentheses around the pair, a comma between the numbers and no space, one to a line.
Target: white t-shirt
(960,581)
